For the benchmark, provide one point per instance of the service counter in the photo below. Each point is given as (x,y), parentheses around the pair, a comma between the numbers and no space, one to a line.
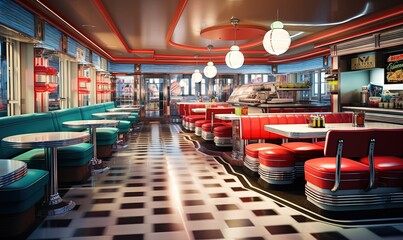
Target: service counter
(284,107)
(378,114)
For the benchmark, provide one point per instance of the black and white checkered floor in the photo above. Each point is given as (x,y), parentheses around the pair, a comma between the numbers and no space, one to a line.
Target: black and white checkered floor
(161,188)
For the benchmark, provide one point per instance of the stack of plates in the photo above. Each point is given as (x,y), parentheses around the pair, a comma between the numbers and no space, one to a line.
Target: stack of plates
(11,171)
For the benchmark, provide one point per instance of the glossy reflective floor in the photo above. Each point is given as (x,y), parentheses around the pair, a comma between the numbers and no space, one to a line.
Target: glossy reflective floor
(161,187)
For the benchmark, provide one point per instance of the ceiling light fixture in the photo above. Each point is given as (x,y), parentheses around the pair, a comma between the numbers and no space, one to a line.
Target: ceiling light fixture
(277,40)
(234,58)
(210,70)
(196,76)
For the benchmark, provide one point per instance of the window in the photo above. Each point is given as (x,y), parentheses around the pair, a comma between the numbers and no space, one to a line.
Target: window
(3,79)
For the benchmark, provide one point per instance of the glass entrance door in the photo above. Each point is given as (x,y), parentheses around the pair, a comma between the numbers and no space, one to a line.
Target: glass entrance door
(155,97)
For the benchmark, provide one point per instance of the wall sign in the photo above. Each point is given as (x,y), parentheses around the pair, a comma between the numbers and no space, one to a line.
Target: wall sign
(363,62)
(394,68)
(80,55)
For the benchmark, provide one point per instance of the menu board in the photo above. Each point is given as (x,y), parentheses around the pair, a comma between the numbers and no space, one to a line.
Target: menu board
(394,68)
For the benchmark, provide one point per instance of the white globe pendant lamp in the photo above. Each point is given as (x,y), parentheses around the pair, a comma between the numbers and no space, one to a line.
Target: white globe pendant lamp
(234,58)
(277,40)
(196,76)
(210,70)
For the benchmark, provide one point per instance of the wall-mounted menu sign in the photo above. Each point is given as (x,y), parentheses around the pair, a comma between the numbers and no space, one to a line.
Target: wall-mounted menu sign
(363,62)
(394,68)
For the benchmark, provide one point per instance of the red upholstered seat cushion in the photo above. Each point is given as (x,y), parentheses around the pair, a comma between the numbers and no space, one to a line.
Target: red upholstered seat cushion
(320,143)
(389,170)
(207,126)
(194,118)
(321,172)
(199,123)
(276,157)
(252,150)
(304,150)
(223,131)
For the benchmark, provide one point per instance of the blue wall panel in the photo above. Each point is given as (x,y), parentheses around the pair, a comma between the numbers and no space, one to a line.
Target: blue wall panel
(16,17)
(96,60)
(123,68)
(221,69)
(311,64)
(72,46)
(52,37)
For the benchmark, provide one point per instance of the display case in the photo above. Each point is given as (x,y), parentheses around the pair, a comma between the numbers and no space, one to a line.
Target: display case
(104,88)
(271,97)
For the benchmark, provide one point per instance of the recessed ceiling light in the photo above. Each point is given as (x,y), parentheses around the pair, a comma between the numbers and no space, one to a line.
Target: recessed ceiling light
(88,25)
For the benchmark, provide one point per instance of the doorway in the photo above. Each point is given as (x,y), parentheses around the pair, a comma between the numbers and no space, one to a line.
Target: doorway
(156,95)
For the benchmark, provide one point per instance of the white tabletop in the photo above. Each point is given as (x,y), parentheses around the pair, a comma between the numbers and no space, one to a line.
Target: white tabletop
(205,103)
(199,110)
(303,131)
(126,109)
(11,171)
(45,139)
(227,116)
(232,116)
(129,106)
(111,114)
(90,123)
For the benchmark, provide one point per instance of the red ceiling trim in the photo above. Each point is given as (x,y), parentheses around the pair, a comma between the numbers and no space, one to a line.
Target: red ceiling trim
(348,27)
(220,59)
(302,56)
(112,25)
(381,28)
(174,22)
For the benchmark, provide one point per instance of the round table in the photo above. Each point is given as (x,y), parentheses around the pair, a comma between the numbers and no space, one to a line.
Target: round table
(11,171)
(126,109)
(50,141)
(112,115)
(92,126)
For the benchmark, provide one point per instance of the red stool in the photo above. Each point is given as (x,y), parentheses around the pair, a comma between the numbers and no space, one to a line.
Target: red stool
(198,126)
(303,151)
(251,160)
(208,130)
(223,136)
(276,166)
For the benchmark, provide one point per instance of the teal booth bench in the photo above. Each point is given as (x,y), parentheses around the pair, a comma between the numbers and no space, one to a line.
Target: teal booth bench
(20,202)
(87,111)
(72,160)
(106,136)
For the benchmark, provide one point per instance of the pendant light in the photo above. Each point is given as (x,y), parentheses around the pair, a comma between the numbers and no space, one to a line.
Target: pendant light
(196,76)
(277,40)
(210,70)
(234,58)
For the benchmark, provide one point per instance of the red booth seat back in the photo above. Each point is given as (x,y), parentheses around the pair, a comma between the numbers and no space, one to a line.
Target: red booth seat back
(389,142)
(252,126)
(355,143)
(218,110)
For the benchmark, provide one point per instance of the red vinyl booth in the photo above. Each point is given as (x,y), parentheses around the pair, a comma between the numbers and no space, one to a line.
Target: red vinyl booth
(339,182)
(208,127)
(252,129)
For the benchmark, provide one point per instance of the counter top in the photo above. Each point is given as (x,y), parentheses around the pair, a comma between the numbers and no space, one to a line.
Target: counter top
(274,105)
(379,114)
(281,105)
(373,109)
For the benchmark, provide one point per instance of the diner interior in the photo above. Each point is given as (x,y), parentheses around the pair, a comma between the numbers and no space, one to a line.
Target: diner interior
(191,119)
